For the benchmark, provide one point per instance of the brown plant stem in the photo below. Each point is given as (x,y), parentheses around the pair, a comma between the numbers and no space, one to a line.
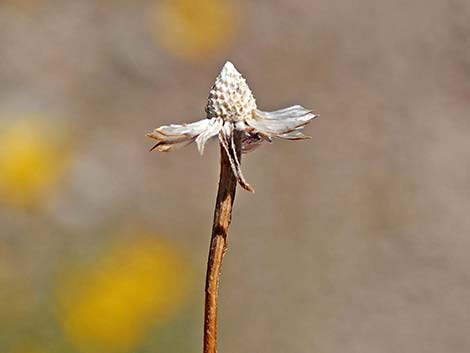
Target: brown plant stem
(218,246)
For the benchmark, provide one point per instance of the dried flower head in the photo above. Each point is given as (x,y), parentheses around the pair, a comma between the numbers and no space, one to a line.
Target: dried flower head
(231,106)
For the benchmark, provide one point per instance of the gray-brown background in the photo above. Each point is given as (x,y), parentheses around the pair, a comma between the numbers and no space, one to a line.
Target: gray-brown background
(356,240)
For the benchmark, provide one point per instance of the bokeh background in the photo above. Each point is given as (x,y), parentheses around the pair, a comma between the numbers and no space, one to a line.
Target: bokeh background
(357,240)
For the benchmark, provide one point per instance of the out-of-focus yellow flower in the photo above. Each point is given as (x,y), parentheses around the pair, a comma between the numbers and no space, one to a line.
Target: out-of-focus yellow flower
(191,28)
(25,348)
(111,305)
(33,156)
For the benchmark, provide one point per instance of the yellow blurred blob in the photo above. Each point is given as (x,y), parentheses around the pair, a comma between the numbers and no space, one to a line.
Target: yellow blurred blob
(110,306)
(25,348)
(193,29)
(32,159)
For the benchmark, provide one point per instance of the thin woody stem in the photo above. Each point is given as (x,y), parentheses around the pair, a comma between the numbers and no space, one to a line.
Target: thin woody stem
(218,247)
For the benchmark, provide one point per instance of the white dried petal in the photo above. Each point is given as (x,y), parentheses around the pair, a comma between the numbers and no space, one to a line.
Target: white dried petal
(170,136)
(211,130)
(280,122)
(294,135)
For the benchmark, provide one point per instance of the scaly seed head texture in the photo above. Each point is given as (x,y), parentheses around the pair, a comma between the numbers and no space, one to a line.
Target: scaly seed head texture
(230,98)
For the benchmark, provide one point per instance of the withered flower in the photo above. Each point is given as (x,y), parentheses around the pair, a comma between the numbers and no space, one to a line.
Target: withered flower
(232,115)
(231,106)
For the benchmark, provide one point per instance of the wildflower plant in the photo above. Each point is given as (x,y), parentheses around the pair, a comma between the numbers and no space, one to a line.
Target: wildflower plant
(233,117)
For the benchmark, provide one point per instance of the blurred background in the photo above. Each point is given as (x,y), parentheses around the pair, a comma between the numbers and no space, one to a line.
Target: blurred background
(357,240)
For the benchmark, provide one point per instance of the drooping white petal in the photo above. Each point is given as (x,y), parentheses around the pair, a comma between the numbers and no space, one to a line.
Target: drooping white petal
(171,136)
(227,142)
(281,122)
(212,130)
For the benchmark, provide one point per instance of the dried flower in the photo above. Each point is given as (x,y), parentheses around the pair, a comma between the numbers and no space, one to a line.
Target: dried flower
(231,106)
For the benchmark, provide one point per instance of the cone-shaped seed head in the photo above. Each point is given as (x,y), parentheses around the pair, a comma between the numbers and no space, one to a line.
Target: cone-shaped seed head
(230,98)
